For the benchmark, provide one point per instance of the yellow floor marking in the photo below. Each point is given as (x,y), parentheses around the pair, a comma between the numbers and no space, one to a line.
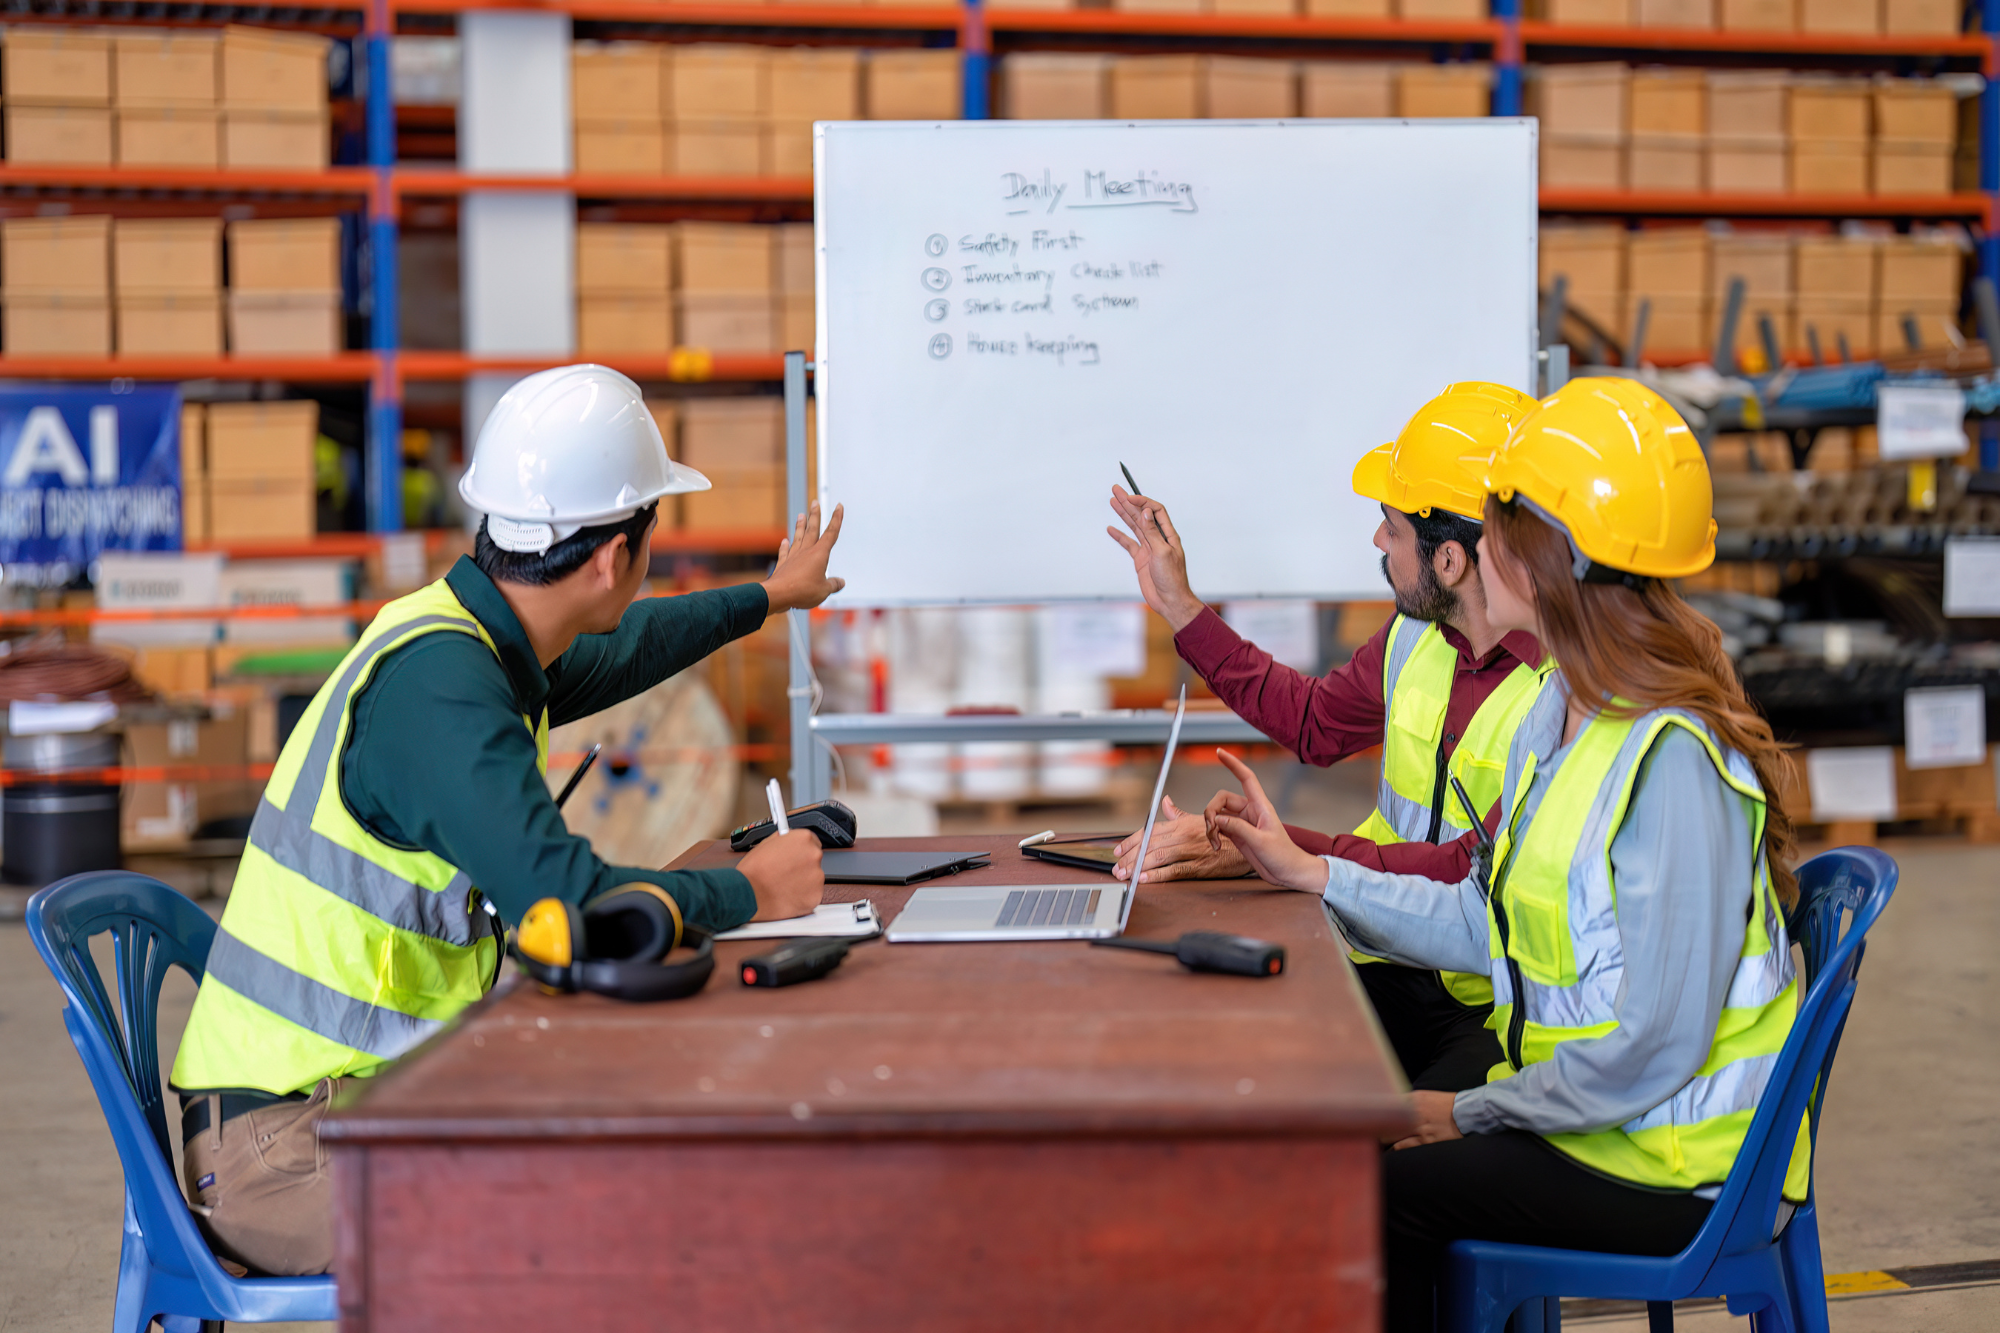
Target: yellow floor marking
(1851,1284)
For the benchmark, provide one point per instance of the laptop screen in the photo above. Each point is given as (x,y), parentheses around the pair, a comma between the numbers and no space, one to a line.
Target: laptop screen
(1153,811)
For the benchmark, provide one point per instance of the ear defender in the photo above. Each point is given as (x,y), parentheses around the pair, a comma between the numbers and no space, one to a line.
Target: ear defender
(616,945)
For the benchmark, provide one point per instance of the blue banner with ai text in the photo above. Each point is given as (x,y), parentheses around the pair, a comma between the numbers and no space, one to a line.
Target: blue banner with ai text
(84,469)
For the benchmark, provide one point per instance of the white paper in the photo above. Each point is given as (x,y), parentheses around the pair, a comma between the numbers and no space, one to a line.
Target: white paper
(1920,421)
(1972,576)
(827,920)
(1101,640)
(1944,727)
(28,718)
(1858,783)
(1286,628)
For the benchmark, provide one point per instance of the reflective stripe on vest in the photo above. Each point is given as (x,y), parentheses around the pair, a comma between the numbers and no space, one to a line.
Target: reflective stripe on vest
(1563,950)
(1418,669)
(338,952)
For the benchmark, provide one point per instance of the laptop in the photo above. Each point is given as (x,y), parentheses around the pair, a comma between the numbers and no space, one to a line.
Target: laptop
(1083,911)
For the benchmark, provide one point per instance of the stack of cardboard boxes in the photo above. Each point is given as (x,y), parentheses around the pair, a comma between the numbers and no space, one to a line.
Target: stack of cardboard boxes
(725,286)
(1917,281)
(1926,17)
(1828,120)
(259,470)
(1668,111)
(624,288)
(165,89)
(284,287)
(167,274)
(1834,282)
(58,91)
(274,104)
(1048,86)
(55,286)
(738,444)
(1590,258)
(1915,130)
(722,287)
(715,109)
(1582,109)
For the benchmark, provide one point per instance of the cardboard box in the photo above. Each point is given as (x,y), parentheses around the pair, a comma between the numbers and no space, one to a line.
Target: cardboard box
(611,322)
(194,508)
(276,140)
(266,70)
(285,323)
(1822,166)
(1669,103)
(724,257)
(1161,6)
(1341,89)
(1829,109)
(1675,325)
(725,321)
(714,81)
(1285,8)
(913,85)
(1916,111)
(174,672)
(1762,260)
(1240,88)
(1587,163)
(1604,309)
(1576,102)
(285,255)
(796,330)
(1156,87)
(1665,162)
(1443,91)
(313,583)
(716,148)
(1836,267)
(1759,15)
(1036,85)
(70,135)
(621,148)
(1920,17)
(1748,105)
(240,511)
(624,257)
(1467,10)
(1918,268)
(183,323)
(1674,14)
(166,814)
(792,246)
(56,66)
(1668,261)
(743,497)
(1749,322)
(1594,13)
(165,68)
(194,440)
(262,441)
(733,432)
(56,325)
(1850,16)
(151,256)
(1901,167)
(1752,166)
(617,81)
(787,148)
(69,256)
(1367,9)
(169,137)
(1930,318)
(808,85)
(1833,319)
(1591,255)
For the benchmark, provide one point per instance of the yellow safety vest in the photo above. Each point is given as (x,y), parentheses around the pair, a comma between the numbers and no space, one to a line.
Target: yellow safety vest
(1413,802)
(338,952)
(1558,959)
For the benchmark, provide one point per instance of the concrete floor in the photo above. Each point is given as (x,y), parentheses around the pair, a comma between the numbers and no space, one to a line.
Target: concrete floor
(1908,1170)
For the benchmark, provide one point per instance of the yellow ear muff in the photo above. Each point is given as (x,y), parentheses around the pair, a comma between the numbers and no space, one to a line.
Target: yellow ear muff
(546,943)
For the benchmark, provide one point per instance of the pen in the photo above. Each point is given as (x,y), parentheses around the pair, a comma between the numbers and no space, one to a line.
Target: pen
(577,776)
(1142,495)
(777,807)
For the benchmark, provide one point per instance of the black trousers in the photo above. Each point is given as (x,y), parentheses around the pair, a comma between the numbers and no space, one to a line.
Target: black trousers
(1511,1186)
(1443,1045)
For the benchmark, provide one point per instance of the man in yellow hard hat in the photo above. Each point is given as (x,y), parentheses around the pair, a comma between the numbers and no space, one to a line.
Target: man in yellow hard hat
(1437,688)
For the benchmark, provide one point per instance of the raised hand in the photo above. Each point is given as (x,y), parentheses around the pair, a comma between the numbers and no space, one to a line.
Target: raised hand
(1157,556)
(1251,824)
(799,580)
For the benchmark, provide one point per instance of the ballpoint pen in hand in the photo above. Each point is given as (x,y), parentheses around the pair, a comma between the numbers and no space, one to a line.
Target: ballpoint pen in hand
(577,776)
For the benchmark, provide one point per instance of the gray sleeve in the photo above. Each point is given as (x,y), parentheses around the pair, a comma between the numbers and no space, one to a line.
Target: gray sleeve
(1409,919)
(1682,866)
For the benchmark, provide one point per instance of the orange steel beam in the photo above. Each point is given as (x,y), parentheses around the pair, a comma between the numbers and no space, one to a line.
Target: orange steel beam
(347,367)
(1699,203)
(690,365)
(332,181)
(1105,22)
(1538,33)
(430,184)
(898,18)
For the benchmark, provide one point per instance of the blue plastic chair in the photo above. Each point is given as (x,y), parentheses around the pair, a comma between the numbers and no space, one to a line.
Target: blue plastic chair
(165,1270)
(1739,1253)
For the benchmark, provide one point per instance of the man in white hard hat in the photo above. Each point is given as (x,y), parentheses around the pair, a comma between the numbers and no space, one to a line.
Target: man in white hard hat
(411,799)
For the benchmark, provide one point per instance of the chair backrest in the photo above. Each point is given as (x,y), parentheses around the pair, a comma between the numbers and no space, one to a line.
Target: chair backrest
(152,929)
(1850,883)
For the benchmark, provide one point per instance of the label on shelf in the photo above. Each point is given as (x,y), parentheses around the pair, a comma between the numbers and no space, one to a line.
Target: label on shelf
(1944,727)
(1920,421)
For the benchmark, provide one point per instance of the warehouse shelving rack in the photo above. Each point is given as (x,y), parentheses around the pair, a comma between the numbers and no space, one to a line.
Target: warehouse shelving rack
(379,187)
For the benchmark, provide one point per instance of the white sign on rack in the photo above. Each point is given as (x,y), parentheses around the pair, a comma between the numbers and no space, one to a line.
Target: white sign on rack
(1857,783)
(1285,627)
(1944,727)
(1972,576)
(1920,421)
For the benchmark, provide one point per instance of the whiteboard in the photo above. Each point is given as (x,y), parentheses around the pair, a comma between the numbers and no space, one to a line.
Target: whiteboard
(1235,310)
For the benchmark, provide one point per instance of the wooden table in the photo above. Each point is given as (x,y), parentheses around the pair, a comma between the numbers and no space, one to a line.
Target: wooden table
(994,1137)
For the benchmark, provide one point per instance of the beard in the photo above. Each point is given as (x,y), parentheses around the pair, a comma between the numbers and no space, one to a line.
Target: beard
(1429,600)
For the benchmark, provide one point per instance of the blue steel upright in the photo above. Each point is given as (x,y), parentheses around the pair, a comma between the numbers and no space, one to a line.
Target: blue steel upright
(1989,144)
(977,47)
(382,469)
(1507,59)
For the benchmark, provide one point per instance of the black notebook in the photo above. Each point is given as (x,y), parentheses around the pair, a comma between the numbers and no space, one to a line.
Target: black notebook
(852,867)
(1078,853)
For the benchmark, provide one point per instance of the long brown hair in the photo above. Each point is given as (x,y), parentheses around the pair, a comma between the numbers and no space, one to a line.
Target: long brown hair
(1648,648)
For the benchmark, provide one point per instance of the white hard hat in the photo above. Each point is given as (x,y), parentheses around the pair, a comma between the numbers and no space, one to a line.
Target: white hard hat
(567,449)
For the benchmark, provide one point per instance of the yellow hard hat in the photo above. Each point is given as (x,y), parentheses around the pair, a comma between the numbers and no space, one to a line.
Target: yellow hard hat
(1612,463)
(1439,460)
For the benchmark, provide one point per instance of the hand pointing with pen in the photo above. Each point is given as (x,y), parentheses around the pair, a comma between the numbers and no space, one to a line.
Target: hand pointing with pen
(1157,557)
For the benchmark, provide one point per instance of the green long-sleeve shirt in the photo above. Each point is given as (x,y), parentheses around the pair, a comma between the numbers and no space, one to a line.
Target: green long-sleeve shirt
(438,758)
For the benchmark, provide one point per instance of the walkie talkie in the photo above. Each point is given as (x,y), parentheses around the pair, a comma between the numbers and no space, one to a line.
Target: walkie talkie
(1482,851)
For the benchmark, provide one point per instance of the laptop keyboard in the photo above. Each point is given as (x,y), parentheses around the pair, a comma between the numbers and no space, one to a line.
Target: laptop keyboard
(1049,907)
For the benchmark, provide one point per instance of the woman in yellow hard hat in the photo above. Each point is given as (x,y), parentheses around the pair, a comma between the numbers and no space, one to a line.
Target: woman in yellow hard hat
(1631,927)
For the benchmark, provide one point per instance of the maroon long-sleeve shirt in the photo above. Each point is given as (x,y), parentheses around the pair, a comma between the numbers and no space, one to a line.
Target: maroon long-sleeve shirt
(1324,719)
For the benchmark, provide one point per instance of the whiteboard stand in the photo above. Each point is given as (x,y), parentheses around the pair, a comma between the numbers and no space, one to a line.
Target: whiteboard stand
(812,777)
